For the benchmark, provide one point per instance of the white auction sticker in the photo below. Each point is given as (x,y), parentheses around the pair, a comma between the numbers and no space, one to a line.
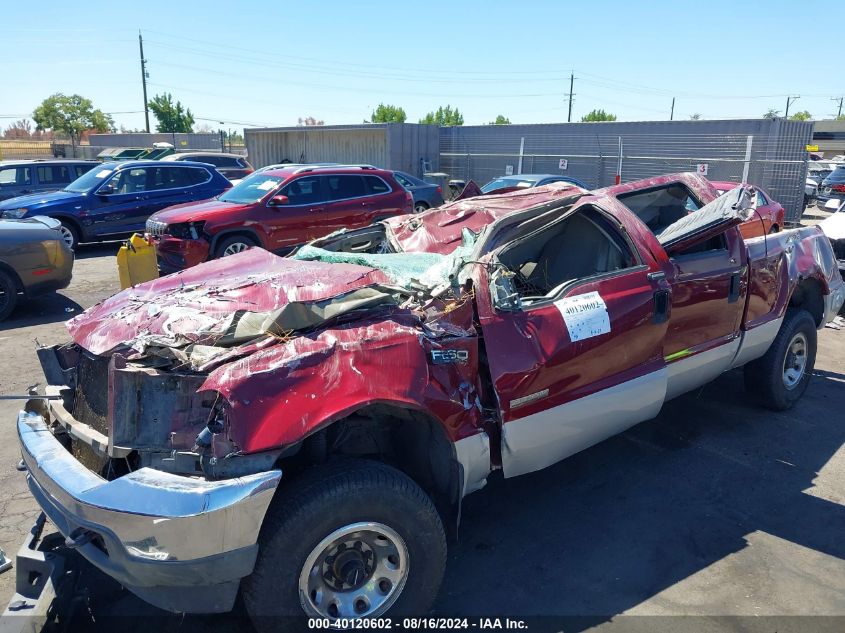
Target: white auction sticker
(585,315)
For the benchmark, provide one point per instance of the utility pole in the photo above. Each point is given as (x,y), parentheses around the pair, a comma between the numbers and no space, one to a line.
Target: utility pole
(839,114)
(672,111)
(790,100)
(571,83)
(144,76)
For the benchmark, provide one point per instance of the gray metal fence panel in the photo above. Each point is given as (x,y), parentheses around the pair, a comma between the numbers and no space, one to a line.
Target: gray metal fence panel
(774,158)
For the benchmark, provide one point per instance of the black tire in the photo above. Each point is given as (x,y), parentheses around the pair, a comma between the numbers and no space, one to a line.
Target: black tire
(766,376)
(319,503)
(774,229)
(419,207)
(8,294)
(231,242)
(70,234)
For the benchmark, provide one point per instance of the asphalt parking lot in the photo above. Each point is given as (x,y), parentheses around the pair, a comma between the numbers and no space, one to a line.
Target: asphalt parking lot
(714,508)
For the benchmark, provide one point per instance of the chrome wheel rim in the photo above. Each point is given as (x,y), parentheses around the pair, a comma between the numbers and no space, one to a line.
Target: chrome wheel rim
(67,236)
(237,247)
(795,362)
(357,571)
(419,208)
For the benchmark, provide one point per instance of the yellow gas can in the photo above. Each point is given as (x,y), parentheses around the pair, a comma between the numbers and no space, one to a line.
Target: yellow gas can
(136,261)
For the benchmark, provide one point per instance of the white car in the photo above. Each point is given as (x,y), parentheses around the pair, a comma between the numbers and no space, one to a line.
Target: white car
(834,229)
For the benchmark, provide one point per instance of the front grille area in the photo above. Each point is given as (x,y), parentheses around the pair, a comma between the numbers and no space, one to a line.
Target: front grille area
(154,227)
(91,401)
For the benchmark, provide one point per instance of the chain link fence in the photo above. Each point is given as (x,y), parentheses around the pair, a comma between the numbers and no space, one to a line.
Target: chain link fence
(775,162)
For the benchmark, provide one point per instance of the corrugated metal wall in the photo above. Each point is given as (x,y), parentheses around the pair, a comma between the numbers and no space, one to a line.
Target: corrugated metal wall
(776,161)
(142,139)
(389,145)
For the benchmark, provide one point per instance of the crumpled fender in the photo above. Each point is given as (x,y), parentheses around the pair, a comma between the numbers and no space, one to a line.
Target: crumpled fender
(279,395)
(779,263)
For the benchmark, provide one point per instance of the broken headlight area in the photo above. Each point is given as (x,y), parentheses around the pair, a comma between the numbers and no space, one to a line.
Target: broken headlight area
(117,415)
(185,230)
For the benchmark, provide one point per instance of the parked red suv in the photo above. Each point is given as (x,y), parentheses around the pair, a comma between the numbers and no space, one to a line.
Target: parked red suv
(277,209)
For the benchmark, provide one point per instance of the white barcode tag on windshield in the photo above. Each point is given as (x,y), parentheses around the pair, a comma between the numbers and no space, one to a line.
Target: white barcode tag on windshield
(585,315)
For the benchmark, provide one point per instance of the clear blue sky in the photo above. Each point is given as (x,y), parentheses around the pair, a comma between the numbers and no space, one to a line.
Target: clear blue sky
(269,63)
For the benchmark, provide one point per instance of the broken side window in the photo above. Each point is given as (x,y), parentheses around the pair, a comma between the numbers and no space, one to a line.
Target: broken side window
(583,245)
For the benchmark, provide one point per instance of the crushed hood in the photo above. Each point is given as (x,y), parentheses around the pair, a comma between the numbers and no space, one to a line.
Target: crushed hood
(228,301)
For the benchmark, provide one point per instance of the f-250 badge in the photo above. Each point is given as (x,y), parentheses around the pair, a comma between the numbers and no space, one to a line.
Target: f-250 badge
(449,356)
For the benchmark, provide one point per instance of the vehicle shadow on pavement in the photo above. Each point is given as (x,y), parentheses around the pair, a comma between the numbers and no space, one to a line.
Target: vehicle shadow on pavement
(617,524)
(48,308)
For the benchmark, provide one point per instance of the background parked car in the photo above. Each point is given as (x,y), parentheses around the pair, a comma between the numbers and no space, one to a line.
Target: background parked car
(426,195)
(233,166)
(820,170)
(277,209)
(22,177)
(34,259)
(771,212)
(503,184)
(115,199)
(833,186)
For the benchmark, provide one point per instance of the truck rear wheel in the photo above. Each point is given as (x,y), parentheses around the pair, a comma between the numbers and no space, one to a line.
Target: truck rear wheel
(780,377)
(352,539)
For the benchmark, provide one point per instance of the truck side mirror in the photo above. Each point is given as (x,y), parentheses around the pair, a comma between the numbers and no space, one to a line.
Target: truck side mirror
(278,201)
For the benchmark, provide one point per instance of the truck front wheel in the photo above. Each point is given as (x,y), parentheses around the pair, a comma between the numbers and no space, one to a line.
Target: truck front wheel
(780,377)
(353,539)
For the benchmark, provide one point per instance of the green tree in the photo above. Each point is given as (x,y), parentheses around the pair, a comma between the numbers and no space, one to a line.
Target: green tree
(771,113)
(598,115)
(71,115)
(386,113)
(501,120)
(172,117)
(444,116)
(841,117)
(803,115)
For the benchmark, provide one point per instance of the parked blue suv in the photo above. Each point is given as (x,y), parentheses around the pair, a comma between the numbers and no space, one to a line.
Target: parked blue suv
(115,199)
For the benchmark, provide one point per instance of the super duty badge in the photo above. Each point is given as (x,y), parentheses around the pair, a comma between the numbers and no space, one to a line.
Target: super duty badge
(449,356)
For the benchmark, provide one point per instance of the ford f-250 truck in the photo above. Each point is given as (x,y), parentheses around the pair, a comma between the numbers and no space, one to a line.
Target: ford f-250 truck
(303,428)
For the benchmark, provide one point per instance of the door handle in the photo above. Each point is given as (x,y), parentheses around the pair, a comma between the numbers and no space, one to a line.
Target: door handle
(733,294)
(316,209)
(662,305)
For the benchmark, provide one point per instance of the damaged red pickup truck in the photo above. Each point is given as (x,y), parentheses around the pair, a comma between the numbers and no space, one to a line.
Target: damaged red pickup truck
(303,428)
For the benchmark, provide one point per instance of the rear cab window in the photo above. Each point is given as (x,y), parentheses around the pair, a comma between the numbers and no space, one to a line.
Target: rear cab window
(660,207)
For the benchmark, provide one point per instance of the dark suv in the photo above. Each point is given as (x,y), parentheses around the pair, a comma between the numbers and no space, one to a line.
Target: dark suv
(278,209)
(22,177)
(115,199)
(232,166)
(833,186)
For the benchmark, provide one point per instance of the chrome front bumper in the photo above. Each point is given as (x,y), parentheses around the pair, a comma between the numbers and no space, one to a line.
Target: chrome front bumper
(180,543)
